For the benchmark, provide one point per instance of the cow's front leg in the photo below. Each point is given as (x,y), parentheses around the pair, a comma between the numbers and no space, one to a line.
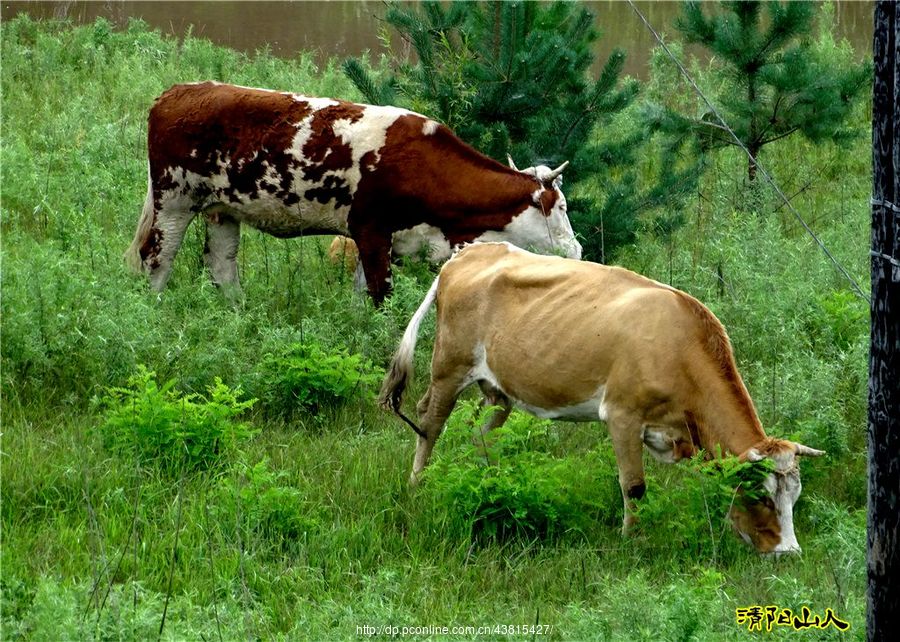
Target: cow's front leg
(375,257)
(625,431)
(433,410)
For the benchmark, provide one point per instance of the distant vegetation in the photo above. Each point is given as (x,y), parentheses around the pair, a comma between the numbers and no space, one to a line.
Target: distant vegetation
(139,478)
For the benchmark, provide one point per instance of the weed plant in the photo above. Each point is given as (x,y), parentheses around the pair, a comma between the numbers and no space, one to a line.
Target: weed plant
(294,521)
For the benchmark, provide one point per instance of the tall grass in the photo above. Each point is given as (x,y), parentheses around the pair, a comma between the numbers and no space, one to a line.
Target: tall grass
(307,529)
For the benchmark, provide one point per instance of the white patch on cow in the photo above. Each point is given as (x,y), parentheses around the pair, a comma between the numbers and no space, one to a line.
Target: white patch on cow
(367,134)
(531,229)
(315,103)
(429,127)
(422,238)
(786,486)
(783,487)
(590,409)
(527,228)
(659,445)
(481,371)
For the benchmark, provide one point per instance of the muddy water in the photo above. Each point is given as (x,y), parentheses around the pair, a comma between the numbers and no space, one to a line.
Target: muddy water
(348,28)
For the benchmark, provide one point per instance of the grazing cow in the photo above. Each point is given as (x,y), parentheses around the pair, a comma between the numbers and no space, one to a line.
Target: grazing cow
(343,252)
(291,165)
(579,341)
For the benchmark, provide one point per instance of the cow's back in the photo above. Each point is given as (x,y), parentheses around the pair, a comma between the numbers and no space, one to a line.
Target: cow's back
(585,323)
(196,126)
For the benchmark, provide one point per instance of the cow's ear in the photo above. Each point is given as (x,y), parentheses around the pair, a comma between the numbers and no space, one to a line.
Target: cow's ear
(753,455)
(662,445)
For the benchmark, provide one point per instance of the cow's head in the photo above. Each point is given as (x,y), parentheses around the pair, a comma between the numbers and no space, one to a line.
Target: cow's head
(545,225)
(768,522)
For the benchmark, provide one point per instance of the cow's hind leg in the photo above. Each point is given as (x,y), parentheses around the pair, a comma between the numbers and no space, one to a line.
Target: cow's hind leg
(223,236)
(163,242)
(625,432)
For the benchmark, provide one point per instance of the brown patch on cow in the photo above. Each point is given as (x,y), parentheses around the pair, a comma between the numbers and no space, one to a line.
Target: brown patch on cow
(773,447)
(548,200)
(759,521)
(683,449)
(343,251)
(441,181)
(203,128)
(150,248)
(332,189)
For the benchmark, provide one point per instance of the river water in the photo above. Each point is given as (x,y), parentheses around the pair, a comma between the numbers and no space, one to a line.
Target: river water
(348,28)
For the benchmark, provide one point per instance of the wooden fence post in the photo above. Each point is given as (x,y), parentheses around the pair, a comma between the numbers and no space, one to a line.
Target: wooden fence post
(883,541)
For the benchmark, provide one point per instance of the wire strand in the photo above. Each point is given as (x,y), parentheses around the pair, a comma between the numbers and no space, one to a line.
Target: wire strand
(753,160)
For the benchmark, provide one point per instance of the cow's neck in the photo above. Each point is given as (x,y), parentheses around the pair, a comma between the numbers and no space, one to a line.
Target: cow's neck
(491,191)
(725,417)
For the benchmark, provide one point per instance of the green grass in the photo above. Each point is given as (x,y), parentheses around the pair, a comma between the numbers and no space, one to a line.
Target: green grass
(308,530)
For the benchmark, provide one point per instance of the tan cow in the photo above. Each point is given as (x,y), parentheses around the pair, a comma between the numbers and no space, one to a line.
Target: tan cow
(566,339)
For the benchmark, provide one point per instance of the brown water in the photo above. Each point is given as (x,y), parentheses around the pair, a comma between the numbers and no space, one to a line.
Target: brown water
(348,28)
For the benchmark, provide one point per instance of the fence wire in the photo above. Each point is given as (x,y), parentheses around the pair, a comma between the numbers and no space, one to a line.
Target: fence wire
(753,160)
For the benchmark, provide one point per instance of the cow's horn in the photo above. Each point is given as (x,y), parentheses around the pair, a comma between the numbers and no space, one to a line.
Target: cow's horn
(511,163)
(556,172)
(807,451)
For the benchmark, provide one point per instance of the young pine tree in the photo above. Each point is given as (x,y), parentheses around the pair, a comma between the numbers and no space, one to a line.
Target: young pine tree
(513,78)
(776,82)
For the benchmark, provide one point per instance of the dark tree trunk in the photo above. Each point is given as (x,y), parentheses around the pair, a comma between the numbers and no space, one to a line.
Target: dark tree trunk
(752,134)
(883,542)
(751,163)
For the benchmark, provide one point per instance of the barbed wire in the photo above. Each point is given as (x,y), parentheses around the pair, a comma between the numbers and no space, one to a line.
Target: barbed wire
(753,160)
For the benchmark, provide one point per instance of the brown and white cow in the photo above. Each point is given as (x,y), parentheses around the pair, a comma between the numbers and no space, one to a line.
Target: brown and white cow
(291,165)
(579,341)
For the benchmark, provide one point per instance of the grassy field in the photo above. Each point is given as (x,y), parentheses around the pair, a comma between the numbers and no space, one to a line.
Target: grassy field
(295,522)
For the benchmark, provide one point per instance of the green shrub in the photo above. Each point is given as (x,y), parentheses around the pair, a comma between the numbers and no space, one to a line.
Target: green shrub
(255,497)
(305,377)
(837,320)
(694,513)
(521,488)
(174,431)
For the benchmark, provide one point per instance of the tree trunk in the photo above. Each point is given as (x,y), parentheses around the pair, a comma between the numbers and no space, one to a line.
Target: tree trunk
(751,164)
(752,135)
(883,541)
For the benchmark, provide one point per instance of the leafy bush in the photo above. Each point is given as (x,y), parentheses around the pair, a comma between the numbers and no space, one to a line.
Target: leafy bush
(836,320)
(306,377)
(521,488)
(263,504)
(695,512)
(175,431)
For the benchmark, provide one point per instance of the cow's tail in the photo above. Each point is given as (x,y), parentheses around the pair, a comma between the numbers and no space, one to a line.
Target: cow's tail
(132,255)
(401,370)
